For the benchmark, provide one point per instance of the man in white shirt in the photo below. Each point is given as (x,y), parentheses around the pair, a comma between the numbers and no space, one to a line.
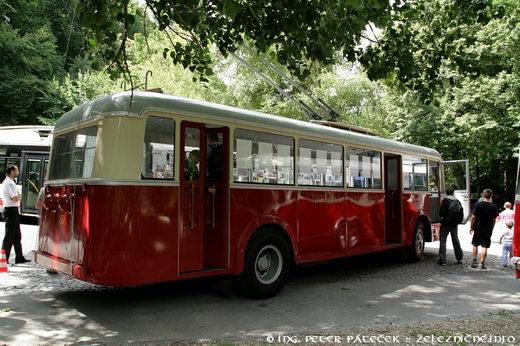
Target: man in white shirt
(13,235)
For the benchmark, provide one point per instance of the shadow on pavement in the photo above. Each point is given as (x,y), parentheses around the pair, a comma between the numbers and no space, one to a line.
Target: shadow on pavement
(364,290)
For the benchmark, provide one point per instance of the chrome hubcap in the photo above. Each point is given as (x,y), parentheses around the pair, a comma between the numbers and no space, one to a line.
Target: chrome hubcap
(268,264)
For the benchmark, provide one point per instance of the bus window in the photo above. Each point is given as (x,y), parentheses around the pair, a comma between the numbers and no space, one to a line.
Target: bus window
(363,168)
(263,158)
(73,154)
(320,164)
(159,145)
(414,174)
(32,183)
(16,162)
(433,176)
(61,156)
(84,152)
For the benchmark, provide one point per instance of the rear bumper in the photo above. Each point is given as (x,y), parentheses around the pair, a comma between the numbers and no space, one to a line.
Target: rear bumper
(59,264)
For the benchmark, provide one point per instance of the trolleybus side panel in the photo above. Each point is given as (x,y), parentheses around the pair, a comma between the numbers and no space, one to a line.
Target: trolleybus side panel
(365,222)
(322,225)
(254,208)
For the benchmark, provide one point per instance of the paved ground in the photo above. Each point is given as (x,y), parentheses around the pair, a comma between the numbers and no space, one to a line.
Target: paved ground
(363,292)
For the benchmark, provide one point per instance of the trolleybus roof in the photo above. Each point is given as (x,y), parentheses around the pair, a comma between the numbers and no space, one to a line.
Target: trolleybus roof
(125,103)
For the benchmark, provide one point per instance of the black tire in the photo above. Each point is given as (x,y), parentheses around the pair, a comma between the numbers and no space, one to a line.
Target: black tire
(415,251)
(267,264)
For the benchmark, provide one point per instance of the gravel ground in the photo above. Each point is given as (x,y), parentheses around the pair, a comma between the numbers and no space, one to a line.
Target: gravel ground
(344,302)
(491,329)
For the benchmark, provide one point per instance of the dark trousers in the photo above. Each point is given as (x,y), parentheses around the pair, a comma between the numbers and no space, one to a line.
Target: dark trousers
(13,235)
(445,230)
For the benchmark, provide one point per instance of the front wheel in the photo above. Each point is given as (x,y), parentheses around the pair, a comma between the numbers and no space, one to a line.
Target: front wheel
(266,265)
(416,250)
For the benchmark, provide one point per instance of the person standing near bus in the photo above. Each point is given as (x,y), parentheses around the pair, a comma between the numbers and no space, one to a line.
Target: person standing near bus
(482,223)
(13,234)
(508,214)
(507,239)
(451,214)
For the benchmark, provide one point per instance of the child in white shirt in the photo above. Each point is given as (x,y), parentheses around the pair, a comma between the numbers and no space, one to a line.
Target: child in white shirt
(507,247)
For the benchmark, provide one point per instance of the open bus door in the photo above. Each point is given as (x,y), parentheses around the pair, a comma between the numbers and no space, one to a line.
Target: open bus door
(32,177)
(516,236)
(456,175)
(203,235)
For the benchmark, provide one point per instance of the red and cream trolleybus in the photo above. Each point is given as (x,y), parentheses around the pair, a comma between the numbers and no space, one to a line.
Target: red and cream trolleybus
(146,187)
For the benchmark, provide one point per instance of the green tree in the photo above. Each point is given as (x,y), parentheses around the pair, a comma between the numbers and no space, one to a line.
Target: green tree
(454,80)
(35,37)
(358,100)
(40,42)
(299,31)
(26,64)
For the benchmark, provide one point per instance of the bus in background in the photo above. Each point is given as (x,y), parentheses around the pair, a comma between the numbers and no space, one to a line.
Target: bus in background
(28,148)
(145,187)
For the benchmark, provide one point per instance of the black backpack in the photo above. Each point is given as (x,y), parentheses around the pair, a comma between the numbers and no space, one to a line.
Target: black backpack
(455,212)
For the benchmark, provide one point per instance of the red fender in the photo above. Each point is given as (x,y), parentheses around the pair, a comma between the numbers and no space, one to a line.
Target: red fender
(251,228)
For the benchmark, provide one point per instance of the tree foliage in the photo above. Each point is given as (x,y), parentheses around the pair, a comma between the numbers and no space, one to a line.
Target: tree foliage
(40,42)
(35,37)
(429,43)
(454,76)
(358,100)
(300,31)
(26,63)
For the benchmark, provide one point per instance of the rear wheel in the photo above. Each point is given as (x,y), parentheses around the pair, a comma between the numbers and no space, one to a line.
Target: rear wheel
(266,265)
(416,250)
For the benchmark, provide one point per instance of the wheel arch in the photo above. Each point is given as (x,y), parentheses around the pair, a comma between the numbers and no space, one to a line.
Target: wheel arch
(273,223)
(427,226)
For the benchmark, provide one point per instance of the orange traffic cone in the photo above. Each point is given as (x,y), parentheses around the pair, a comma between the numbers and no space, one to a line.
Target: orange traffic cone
(3,263)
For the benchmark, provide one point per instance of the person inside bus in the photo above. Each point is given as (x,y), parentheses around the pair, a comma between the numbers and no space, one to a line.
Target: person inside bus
(191,166)
(13,234)
(482,223)
(214,162)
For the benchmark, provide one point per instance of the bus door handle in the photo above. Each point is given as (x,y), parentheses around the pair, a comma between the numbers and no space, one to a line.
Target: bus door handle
(191,199)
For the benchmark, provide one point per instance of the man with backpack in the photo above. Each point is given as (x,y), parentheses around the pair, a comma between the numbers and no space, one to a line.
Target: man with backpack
(451,214)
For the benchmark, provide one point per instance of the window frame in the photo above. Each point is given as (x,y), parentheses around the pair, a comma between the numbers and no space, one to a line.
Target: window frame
(413,185)
(381,172)
(174,168)
(234,159)
(438,185)
(297,164)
